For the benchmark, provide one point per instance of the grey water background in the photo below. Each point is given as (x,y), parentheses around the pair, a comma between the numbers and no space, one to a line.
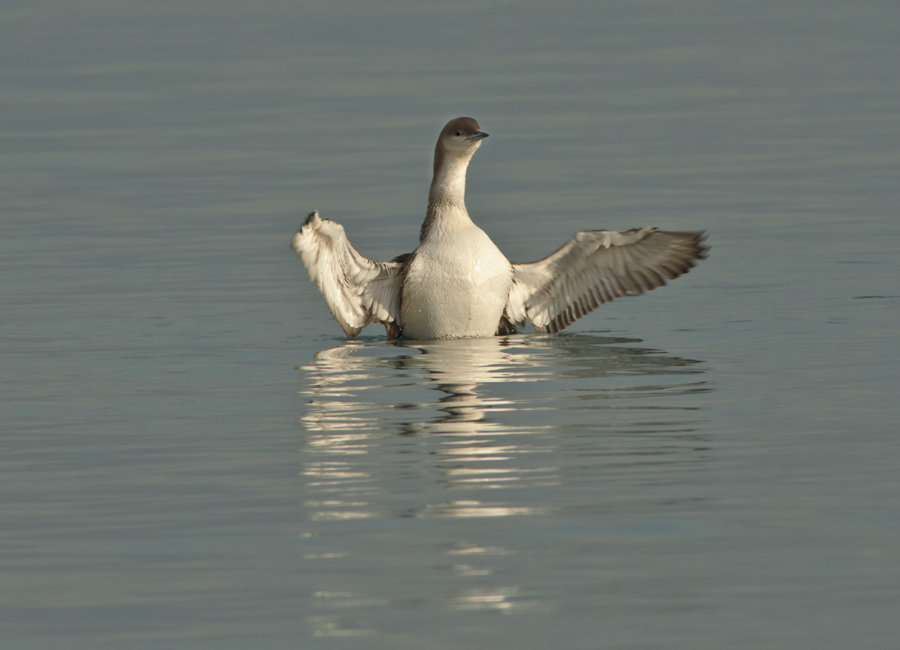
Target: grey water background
(193,456)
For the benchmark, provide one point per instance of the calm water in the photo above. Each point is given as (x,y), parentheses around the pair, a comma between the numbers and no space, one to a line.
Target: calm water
(192,456)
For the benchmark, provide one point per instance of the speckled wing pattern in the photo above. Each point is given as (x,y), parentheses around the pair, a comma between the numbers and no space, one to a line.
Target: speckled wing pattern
(357,290)
(597,266)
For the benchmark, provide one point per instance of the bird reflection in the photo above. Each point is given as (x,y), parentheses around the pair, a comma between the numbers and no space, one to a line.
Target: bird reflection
(478,430)
(491,392)
(460,369)
(341,378)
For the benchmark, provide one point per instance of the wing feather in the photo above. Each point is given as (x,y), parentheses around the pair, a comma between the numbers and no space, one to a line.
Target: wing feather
(357,290)
(597,266)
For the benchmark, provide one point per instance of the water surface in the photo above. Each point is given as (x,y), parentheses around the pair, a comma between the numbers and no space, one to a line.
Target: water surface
(193,456)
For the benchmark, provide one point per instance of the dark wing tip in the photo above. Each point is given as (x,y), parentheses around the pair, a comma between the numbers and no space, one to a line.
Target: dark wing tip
(700,246)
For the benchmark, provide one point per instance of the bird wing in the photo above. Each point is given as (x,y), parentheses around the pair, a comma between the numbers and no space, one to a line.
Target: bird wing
(597,266)
(357,290)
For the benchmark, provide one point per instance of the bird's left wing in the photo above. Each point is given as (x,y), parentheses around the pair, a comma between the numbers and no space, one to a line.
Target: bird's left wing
(597,266)
(357,290)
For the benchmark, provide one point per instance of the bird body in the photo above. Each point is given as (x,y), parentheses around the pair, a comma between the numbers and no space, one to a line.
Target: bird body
(457,283)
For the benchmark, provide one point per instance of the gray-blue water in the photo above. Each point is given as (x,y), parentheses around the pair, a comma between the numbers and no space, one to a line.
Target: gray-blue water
(193,456)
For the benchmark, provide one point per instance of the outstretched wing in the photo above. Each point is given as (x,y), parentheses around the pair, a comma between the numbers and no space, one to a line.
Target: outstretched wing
(597,266)
(357,290)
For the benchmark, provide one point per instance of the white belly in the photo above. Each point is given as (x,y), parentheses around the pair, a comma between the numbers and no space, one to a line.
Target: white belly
(456,287)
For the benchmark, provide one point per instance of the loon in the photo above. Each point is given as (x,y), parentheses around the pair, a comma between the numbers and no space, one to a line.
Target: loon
(457,283)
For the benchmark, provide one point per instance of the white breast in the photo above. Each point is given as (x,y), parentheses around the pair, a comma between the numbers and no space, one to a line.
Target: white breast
(457,284)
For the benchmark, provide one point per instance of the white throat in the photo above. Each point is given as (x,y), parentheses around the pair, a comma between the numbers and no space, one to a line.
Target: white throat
(449,184)
(447,196)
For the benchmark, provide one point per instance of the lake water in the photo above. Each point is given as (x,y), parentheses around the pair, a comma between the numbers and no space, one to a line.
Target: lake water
(193,456)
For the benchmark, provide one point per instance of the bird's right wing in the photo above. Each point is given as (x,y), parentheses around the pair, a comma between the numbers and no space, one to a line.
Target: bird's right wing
(597,266)
(357,290)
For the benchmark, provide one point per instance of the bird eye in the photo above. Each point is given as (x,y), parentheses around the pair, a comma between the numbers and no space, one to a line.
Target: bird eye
(458,133)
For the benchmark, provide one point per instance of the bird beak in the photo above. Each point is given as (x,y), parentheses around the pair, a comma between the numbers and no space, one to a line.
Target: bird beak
(479,135)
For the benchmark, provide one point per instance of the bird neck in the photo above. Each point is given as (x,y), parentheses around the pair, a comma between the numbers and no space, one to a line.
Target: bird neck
(447,196)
